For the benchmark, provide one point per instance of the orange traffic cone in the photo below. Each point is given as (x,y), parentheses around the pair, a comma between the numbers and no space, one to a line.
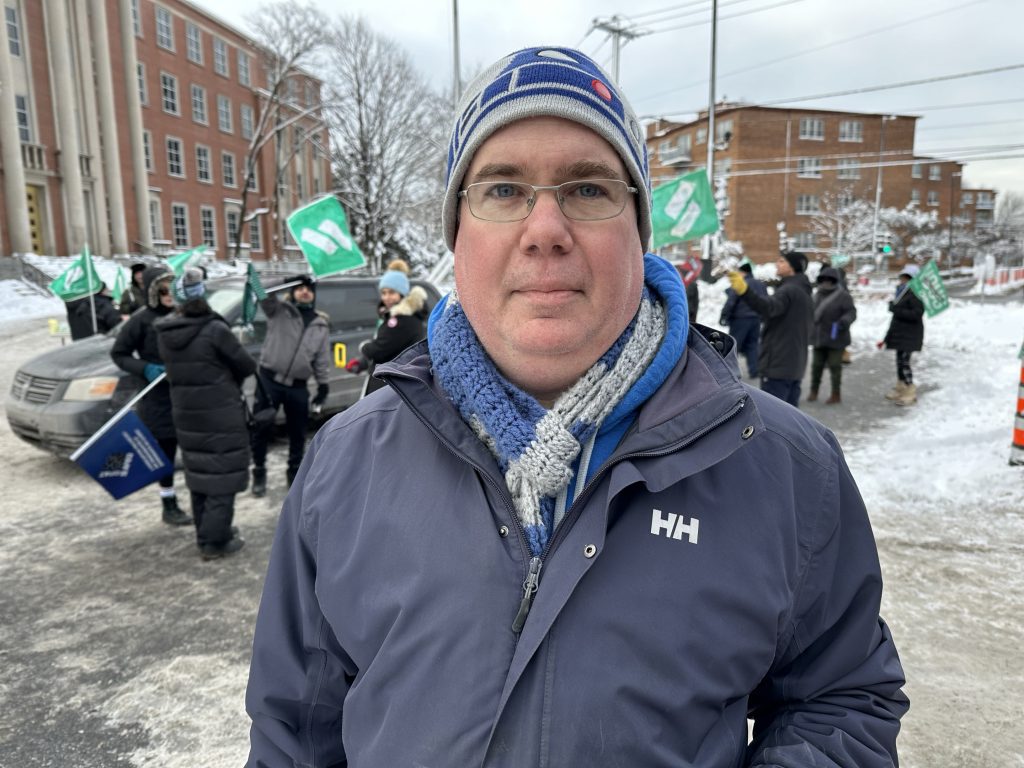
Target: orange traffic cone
(1017,449)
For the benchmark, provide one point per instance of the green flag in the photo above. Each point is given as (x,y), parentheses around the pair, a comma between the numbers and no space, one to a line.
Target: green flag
(683,209)
(928,286)
(179,262)
(77,281)
(252,295)
(322,233)
(119,284)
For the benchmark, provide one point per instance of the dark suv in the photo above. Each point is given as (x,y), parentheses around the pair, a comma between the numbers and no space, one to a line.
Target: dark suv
(60,398)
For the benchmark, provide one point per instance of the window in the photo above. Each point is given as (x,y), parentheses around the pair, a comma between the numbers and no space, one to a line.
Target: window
(683,141)
(140,73)
(199,104)
(179,224)
(806,205)
(844,199)
(227,164)
(933,197)
(915,171)
(231,219)
(169,93)
(848,168)
(156,228)
(244,76)
(220,57)
(915,197)
(255,243)
(251,186)
(13,31)
(147,149)
(291,89)
(934,173)
(245,119)
(851,130)
(164,29)
(224,113)
(174,163)
(702,135)
(721,128)
(203,164)
(805,240)
(24,127)
(967,198)
(207,227)
(194,43)
(812,128)
(136,19)
(310,94)
(808,167)
(985,200)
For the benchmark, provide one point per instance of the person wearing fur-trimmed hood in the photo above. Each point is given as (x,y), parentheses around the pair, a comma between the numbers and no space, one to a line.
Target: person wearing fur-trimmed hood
(402,326)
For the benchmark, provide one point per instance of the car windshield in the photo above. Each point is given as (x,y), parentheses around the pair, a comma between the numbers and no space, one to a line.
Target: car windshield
(224,299)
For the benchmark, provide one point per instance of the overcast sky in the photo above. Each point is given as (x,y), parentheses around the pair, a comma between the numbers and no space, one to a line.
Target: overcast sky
(666,71)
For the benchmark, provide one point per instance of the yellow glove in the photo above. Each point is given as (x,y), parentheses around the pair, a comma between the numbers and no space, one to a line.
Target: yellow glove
(737,282)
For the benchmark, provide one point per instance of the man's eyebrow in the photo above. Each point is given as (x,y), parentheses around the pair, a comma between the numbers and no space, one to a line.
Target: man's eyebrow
(498,171)
(589,169)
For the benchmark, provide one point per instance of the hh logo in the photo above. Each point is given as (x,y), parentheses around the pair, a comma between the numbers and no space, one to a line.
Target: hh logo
(675,526)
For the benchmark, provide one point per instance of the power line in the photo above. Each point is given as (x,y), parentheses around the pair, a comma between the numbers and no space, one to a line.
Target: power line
(963,104)
(725,17)
(975,124)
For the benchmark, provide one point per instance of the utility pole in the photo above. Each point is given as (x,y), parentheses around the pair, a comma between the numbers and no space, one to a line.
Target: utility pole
(620,34)
(878,188)
(952,194)
(705,243)
(456,65)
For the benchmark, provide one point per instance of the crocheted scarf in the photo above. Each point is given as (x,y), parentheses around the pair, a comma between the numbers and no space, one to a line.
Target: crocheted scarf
(535,448)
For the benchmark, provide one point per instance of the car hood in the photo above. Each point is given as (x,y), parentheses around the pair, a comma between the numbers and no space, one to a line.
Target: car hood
(80,359)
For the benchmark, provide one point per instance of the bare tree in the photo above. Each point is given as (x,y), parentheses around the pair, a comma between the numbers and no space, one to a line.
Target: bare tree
(388,139)
(292,35)
(845,224)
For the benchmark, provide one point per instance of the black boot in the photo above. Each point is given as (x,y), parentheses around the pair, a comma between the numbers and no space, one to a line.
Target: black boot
(259,481)
(173,514)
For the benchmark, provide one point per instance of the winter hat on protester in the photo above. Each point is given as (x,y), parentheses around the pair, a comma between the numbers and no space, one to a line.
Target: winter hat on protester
(910,270)
(829,273)
(396,281)
(552,82)
(189,286)
(796,260)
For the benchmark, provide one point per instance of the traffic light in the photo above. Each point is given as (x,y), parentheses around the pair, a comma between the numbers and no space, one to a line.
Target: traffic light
(884,245)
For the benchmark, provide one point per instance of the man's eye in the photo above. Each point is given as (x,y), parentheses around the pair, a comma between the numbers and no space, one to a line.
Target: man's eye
(503,190)
(587,190)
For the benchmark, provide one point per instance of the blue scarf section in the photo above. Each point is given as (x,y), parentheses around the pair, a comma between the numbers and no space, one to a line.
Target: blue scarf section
(538,450)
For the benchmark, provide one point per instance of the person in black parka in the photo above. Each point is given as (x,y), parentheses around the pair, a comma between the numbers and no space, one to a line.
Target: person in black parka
(135,351)
(905,335)
(403,326)
(80,314)
(834,313)
(206,365)
(134,296)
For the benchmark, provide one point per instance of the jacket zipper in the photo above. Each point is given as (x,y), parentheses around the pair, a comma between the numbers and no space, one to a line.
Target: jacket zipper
(529,590)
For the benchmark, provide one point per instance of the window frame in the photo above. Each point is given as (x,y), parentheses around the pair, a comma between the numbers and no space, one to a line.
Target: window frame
(227,161)
(851,131)
(164,78)
(164,37)
(808,167)
(13,22)
(246,127)
(182,242)
(208,178)
(222,113)
(244,72)
(23,118)
(221,57)
(933,197)
(848,168)
(193,43)
(802,210)
(181,157)
(147,151)
(211,241)
(204,117)
(809,123)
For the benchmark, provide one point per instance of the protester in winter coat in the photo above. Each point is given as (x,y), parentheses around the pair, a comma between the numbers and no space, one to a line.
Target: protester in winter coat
(566,534)
(905,335)
(206,365)
(743,322)
(81,312)
(296,348)
(834,313)
(135,350)
(134,296)
(403,326)
(782,361)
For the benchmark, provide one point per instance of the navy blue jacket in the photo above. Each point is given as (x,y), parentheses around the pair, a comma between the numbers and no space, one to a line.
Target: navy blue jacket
(718,565)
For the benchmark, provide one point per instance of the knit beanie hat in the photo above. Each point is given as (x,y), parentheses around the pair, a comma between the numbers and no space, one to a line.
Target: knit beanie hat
(910,270)
(189,286)
(796,260)
(396,281)
(552,82)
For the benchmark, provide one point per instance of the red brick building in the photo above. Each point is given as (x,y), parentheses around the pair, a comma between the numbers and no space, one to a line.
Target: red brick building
(129,125)
(781,166)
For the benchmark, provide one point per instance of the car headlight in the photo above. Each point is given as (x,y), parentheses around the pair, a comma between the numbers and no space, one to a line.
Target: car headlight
(93,388)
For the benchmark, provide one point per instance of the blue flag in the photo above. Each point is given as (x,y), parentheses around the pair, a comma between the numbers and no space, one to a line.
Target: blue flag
(123,457)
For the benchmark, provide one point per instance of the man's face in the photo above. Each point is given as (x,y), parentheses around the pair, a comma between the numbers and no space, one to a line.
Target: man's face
(164,292)
(783,267)
(547,296)
(303,294)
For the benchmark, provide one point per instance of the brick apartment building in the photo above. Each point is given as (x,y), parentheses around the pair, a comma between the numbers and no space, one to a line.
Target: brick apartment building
(125,124)
(783,165)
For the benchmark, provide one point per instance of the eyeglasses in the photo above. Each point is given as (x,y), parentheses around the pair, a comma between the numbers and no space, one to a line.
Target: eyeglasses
(581,200)
(163,290)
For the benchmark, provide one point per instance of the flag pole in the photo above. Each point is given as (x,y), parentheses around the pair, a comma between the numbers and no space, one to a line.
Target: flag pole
(88,280)
(706,240)
(114,419)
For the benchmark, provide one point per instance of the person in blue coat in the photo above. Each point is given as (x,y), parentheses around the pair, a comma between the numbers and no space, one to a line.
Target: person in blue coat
(566,533)
(743,321)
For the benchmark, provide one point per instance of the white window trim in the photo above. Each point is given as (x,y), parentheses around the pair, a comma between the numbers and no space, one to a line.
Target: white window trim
(217,43)
(256,247)
(811,172)
(859,133)
(177,94)
(170,20)
(147,144)
(809,120)
(811,211)
(209,164)
(221,98)
(213,221)
(181,156)
(240,57)
(187,240)
(192,103)
(244,109)
(234,170)
(933,197)
(156,223)
(13,41)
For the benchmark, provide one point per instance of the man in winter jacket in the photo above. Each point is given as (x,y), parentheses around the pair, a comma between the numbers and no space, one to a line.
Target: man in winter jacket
(296,348)
(787,316)
(134,296)
(834,313)
(136,351)
(743,322)
(82,311)
(206,365)
(905,335)
(532,548)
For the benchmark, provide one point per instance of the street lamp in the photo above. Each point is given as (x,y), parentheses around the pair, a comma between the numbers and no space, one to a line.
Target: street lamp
(878,183)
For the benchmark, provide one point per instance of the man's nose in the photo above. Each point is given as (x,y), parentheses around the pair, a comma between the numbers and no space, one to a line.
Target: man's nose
(546,227)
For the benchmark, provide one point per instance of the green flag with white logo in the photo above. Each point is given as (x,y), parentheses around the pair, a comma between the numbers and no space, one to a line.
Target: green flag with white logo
(179,262)
(321,231)
(119,283)
(77,281)
(683,209)
(928,286)
(252,295)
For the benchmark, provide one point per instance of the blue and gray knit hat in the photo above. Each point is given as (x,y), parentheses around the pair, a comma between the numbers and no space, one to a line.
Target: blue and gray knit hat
(189,286)
(553,82)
